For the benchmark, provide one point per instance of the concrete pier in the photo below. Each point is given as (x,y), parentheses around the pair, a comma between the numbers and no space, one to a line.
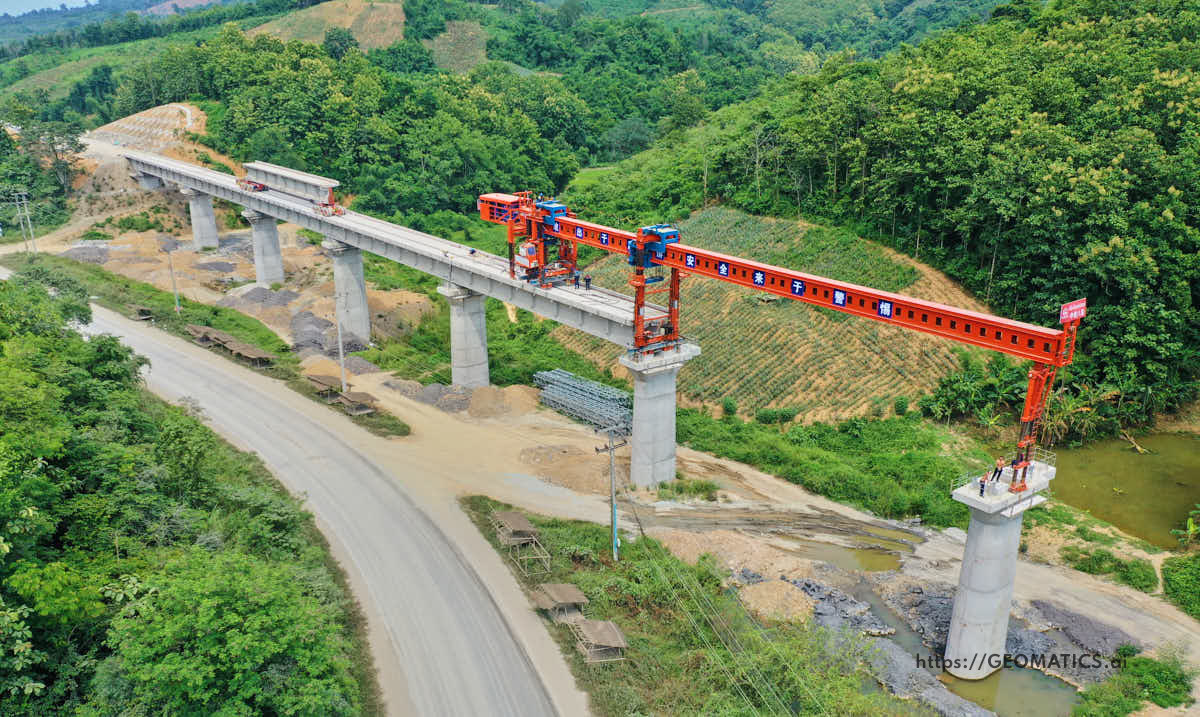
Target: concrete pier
(268,260)
(468,336)
(350,288)
(979,623)
(652,445)
(204,220)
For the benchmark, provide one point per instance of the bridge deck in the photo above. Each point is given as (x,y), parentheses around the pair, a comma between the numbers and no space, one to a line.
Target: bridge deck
(600,312)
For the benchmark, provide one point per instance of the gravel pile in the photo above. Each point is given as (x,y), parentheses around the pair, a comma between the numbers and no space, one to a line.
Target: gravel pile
(224,267)
(455,399)
(1092,635)
(267,297)
(89,254)
(746,576)
(308,331)
(359,365)
(836,609)
(405,387)
(431,393)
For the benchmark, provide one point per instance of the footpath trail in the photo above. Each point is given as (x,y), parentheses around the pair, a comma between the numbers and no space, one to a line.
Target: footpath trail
(450,630)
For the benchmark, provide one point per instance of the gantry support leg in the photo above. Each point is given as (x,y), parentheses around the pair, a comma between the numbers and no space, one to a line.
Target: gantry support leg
(350,288)
(652,445)
(268,260)
(468,336)
(204,220)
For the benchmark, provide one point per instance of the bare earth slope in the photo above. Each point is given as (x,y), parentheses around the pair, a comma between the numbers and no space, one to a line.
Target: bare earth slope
(374,24)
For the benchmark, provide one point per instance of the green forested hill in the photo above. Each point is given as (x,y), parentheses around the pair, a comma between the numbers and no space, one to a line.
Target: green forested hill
(1049,154)
(146,567)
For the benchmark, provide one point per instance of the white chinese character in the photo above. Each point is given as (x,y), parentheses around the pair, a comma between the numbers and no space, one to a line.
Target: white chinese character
(723,269)
(579,232)
(691,260)
(885,309)
(759,278)
(839,298)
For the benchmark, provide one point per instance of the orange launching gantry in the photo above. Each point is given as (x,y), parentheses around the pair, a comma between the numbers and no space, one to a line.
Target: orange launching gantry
(543,239)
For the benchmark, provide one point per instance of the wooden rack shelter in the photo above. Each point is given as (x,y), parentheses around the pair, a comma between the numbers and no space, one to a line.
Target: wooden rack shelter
(562,601)
(208,337)
(598,640)
(328,387)
(252,354)
(515,532)
(357,403)
(200,335)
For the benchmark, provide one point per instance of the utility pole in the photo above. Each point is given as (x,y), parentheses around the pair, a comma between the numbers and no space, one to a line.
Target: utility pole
(167,244)
(20,204)
(611,448)
(23,198)
(337,319)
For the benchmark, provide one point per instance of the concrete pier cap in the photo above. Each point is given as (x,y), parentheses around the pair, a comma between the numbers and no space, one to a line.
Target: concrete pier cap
(468,336)
(652,444)
(979,622)
(204,220)
(268,259)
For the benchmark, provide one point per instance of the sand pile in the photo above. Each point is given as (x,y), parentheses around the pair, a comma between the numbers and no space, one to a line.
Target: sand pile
(777,600)
(734,551)
(492,401)
(320,366)
(575,468)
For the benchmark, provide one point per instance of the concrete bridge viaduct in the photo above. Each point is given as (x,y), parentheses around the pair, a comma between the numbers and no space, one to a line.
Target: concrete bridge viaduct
(466,279)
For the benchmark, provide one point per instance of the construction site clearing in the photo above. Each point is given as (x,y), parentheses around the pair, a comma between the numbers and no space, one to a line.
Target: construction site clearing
(760,529)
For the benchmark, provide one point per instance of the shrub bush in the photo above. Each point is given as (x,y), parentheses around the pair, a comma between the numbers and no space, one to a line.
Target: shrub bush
(1181,582)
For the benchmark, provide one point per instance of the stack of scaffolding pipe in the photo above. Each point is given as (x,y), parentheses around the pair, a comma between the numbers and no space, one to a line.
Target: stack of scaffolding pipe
(587,401)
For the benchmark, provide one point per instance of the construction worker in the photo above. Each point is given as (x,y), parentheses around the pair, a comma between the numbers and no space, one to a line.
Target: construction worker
(999,469)
(587,282)
(983,480)
(576,280)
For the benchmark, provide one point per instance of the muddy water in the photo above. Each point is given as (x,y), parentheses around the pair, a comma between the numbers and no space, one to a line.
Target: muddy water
(1142,494)
(1009,692)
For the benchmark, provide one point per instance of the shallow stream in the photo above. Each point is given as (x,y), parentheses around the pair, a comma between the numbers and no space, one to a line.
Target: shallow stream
(1009,692)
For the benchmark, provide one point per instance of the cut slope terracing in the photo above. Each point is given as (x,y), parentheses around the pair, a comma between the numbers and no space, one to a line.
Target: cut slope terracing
(772,353)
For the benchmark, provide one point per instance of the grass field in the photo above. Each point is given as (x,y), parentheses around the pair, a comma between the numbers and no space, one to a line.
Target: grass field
(678,620)
(781,353)
(374,24)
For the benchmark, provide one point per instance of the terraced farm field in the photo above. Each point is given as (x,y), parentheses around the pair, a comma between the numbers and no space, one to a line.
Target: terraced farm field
(781,353)
(373,23)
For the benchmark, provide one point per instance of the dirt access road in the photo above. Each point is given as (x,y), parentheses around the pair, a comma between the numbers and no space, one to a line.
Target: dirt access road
(452,632)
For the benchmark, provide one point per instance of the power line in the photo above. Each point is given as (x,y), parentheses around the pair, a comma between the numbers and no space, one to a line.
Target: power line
(766,692)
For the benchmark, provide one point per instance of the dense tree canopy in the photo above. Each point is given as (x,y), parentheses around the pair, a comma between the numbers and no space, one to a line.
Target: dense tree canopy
(145,568)
(1044,156)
